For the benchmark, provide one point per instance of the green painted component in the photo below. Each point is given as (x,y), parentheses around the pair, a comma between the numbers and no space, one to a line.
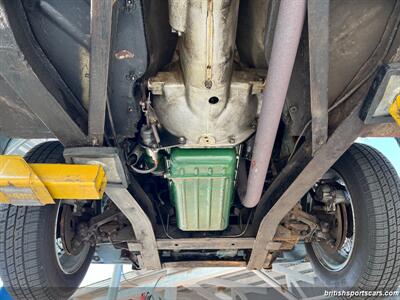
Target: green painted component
(201,186)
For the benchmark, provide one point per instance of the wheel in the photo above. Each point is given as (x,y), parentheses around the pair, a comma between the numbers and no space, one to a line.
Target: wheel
(364,252)
(33,261)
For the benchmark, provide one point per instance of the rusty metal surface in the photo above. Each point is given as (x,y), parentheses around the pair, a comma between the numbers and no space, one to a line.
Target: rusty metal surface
(318,34)
(140,223)
(286,40)
(204,264)
(205,243)
(100,41)
(381,130)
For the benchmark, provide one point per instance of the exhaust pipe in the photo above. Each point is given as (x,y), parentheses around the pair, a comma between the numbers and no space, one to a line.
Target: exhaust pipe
(284,48)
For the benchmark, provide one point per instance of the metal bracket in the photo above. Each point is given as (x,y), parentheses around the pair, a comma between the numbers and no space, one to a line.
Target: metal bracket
(100,43)
(383,92)
(318,28)
(105,156)
(140,222)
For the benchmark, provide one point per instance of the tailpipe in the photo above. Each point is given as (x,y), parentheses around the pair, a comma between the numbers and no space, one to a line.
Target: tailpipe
(284,48)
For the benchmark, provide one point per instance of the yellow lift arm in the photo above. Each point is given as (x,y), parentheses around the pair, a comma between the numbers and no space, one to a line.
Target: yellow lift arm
(39,184)
(394,109)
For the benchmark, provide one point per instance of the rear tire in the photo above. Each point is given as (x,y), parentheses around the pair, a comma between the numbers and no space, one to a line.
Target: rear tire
(374,188)
(28,260)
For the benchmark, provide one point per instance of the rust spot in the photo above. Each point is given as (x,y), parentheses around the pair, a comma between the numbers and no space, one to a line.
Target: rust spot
(253,164)
(124,54)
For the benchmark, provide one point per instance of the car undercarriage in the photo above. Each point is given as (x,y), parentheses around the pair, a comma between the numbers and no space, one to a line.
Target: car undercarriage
(224,129)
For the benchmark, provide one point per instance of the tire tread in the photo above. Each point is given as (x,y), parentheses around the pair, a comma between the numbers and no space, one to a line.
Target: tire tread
(383,199)
(19,238)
